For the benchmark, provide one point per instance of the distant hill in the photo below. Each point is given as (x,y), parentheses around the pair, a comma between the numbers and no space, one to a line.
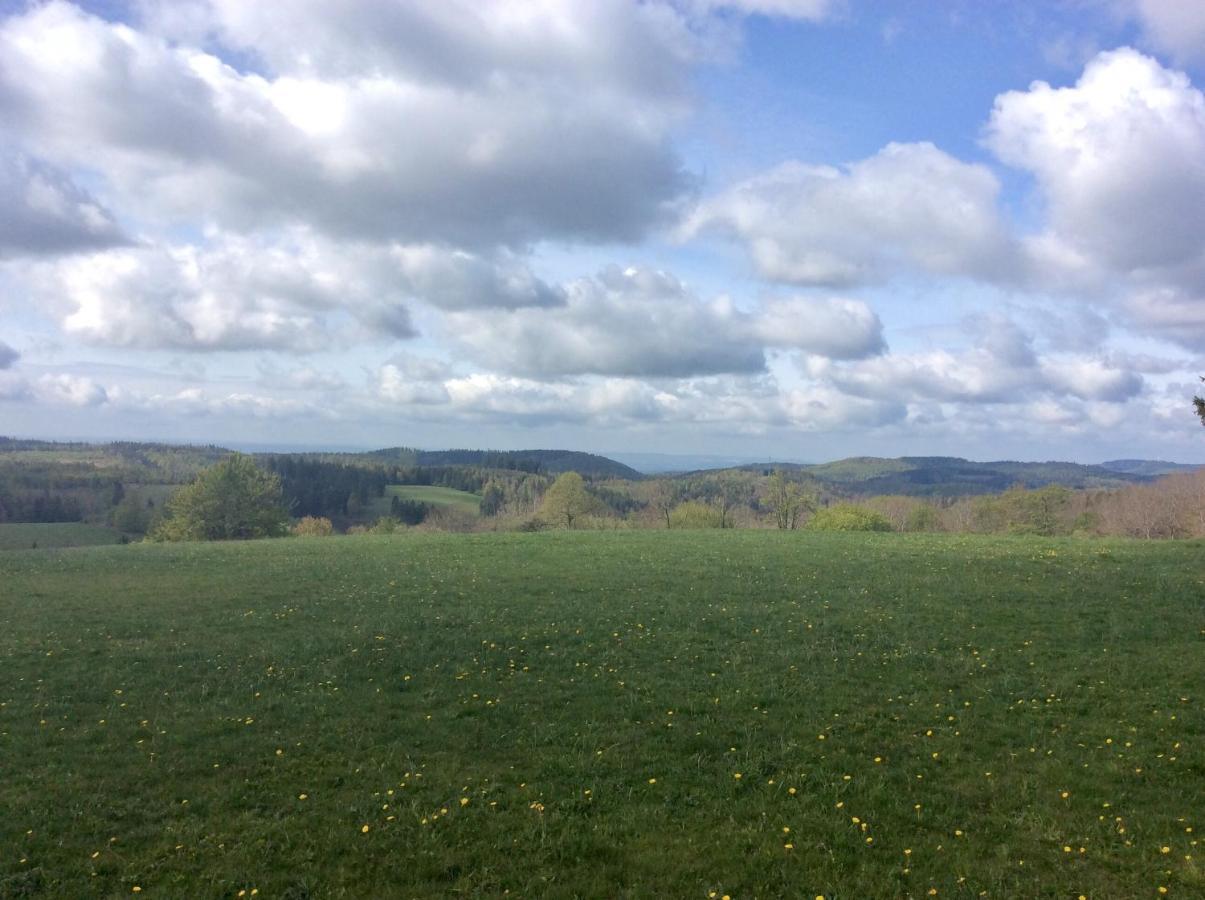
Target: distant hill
(551,462)
(951,476)
(1147,466)
(661,463)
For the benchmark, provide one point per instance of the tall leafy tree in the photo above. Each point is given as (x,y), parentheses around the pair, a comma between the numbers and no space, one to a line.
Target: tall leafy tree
(233,500)
(567,500)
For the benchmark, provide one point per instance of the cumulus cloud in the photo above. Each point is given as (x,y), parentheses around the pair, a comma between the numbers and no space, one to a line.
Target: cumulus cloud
(8,356)
(643,322)
(45,212)
(908,206)
(231,294)
(460,122)
(1118,158)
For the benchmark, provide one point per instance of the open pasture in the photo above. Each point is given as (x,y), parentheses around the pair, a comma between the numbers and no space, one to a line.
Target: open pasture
(628,714)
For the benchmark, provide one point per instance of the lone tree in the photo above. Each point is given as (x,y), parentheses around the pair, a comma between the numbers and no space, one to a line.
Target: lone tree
(233,500)
(567,500)
(1199,403)
(787,499)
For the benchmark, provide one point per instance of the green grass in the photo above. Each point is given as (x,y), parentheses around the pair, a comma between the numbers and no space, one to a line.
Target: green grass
(24,535)
(436,496)
(981,702)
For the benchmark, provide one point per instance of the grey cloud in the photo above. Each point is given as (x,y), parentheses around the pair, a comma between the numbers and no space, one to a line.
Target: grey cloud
(8,356)
(1001,368)
(1170,314)
(624,322)
(646,323)
(385,155)
(46,213)
(833,327)
(457,280)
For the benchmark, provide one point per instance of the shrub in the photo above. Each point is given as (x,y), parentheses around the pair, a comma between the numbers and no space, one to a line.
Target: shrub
(386,525)
(847,517)
(313,526)
(695,514)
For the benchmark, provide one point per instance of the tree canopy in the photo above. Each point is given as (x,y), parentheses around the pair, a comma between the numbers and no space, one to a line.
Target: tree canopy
(233,500)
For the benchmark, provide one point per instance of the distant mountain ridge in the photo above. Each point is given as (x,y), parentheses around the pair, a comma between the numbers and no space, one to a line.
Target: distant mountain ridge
(952,476)
(921,476)
(1152,467)
(552,462)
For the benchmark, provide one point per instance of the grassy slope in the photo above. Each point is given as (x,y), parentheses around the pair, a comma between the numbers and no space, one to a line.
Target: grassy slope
(165,707)
(22,535)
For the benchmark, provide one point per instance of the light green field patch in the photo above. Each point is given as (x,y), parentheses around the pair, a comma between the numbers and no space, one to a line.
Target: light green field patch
(436,496)
(26,535)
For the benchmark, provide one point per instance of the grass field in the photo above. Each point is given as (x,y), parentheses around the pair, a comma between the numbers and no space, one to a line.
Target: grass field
(436,496)
(24,535)
(643,714)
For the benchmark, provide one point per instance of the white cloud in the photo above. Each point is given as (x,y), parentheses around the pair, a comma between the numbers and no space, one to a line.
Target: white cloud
(1118,160)
(908,206)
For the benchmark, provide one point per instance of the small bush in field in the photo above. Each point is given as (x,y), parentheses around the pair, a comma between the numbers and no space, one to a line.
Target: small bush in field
(313,526)
(695,514)
(848,517)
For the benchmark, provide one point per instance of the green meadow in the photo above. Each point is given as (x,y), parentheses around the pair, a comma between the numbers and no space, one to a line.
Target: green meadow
(622,714)
(27,535)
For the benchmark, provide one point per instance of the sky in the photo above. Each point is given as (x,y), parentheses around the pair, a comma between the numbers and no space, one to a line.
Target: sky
(793,229)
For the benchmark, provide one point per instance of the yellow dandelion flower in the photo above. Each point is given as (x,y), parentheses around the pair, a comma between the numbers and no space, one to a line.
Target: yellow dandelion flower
(363,829)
